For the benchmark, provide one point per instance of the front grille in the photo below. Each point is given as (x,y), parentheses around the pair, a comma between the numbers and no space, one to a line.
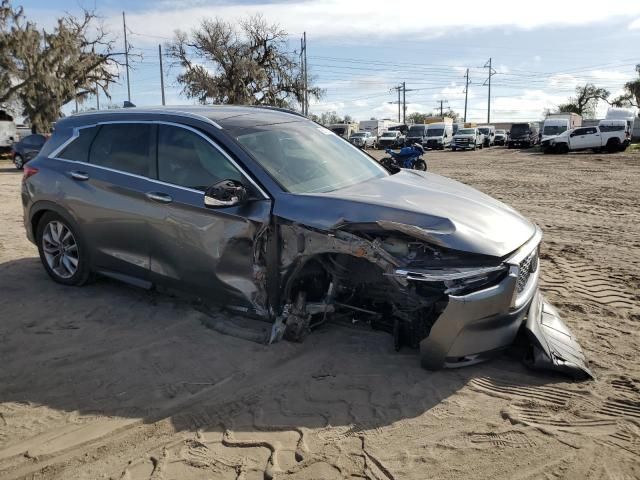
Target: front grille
(527,266)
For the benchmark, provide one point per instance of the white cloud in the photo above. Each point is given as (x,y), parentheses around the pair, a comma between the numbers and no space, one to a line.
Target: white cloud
(376,18)
(635,25)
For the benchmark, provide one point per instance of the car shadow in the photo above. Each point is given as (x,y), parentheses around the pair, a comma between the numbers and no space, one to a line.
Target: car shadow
(112,351)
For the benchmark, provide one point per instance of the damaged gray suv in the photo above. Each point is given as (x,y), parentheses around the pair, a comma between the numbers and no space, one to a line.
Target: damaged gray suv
(274,216)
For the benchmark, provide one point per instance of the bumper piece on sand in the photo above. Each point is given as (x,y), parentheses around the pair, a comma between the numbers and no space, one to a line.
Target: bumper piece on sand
(552,345)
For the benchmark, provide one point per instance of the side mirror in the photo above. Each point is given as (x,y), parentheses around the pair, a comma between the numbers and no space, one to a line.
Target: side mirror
(572,135)
(226,193)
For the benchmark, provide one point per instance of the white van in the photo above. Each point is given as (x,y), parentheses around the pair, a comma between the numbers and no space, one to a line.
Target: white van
(439,135)
(489,132)
(628,116)
(8,132)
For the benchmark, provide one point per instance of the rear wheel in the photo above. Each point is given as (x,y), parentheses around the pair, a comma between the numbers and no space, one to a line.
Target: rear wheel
(19,162)
(613,145)
(62,252)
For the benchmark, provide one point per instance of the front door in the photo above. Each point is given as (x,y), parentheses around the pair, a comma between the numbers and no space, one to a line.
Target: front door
(209,252)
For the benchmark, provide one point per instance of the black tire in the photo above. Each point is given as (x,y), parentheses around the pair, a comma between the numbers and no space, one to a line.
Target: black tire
(453,149)
(18,161)
(562,148)
(420,165)
(82,272)
(613,145)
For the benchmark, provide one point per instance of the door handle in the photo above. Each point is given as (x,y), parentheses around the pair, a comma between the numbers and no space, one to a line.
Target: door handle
(159,197)
(76,175)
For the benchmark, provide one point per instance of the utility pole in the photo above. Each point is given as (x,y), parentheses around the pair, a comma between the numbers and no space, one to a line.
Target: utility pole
(466,94)
(404,103)
(161,72)
(306,79)
(126,56)
(399,89)
(76,103)
(97,97)
(491,73)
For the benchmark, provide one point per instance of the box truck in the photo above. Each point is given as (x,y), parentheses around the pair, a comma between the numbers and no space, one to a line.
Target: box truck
(557,123)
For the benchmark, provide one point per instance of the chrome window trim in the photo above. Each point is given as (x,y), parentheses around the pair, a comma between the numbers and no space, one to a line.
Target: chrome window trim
(76,134)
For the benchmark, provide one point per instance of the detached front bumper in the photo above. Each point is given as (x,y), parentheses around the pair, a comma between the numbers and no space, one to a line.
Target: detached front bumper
(476,326)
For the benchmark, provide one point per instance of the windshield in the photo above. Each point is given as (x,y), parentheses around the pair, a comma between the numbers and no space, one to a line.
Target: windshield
(305,158)
(338,130)
(520,129)
(484,130)
(435,132)
(466,131)
(416,131)
(358,135)
(554,129)
(389,134)
(500,132)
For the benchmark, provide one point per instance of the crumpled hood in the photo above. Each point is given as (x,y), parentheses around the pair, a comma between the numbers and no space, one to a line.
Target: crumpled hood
(451,214)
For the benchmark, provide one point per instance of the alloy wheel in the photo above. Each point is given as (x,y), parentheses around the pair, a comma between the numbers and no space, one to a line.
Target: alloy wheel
(60,249)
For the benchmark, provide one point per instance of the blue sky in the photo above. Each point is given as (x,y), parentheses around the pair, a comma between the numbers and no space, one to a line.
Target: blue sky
(359,50)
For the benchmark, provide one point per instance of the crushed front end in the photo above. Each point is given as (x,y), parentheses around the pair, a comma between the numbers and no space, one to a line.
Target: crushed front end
(458,308)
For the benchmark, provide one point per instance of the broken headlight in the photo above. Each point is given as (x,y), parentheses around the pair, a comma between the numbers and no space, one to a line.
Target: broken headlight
(458,280)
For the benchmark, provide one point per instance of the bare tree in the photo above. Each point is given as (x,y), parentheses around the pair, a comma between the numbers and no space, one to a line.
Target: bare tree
(585,100)
(631,95)
(45,70)
(245,64)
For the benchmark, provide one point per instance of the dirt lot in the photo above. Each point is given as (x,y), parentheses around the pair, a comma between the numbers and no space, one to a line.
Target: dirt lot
(108,381)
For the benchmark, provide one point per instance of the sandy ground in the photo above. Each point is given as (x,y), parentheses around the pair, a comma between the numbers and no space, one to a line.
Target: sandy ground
(108,381)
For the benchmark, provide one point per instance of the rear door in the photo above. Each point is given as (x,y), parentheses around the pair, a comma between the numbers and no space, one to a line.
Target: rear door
(592,138)
(209,252)
(114,163)
(579,138)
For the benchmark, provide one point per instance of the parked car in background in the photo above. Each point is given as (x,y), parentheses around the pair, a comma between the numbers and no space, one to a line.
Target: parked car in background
(557,123)
(502,137)
(27,149)
(417,134)
(345,130)
(391,139)
(8,132)
(274,217)
(363,140)
(523,135)
(376,127)
(439,135)
(467,139)
(620,126)
(586,138)
(489,132)
(626,114)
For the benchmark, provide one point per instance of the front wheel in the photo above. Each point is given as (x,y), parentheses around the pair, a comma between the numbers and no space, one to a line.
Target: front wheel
(61,250)
(420,165)
(19,162)
(453,149)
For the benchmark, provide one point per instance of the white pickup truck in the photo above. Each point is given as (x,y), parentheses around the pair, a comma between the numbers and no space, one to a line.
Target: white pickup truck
(584,138)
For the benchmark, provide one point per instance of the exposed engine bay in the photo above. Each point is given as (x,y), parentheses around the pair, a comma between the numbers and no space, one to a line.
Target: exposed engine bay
(385,275)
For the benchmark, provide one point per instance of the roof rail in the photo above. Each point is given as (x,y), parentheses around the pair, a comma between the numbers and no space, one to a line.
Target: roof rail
(278,109)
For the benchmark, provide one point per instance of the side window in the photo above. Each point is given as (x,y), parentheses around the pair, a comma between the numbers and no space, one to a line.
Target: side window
(128,147)
(78,150)
(188,160)
(591,131)
(580,131)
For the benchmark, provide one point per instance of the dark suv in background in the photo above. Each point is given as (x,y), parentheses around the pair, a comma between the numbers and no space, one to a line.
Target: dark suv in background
(270,214)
